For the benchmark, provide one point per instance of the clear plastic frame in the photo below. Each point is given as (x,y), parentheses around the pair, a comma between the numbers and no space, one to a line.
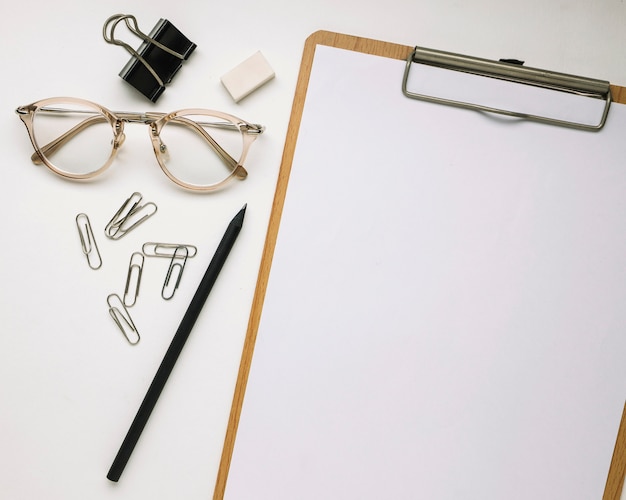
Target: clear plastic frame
(198,149)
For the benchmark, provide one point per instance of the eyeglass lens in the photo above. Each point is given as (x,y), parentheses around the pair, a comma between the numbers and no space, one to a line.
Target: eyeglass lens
(75,138)
(200,149)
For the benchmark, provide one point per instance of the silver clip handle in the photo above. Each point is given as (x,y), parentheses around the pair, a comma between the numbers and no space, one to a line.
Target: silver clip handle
(563,82)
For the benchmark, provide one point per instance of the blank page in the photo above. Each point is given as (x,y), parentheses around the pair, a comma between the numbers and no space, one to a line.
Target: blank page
(445,314)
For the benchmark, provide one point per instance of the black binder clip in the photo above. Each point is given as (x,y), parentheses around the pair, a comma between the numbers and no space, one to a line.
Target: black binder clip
(156,61)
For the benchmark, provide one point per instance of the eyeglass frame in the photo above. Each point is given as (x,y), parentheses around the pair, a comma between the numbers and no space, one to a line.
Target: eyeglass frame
(156,121)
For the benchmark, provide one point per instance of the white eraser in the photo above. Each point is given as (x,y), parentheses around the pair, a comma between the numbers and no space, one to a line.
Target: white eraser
(247,76)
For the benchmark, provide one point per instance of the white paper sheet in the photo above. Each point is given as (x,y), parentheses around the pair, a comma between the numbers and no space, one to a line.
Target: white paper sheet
(445,312)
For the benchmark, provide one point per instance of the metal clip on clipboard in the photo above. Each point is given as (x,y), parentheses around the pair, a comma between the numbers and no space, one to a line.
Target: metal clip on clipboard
(511,72)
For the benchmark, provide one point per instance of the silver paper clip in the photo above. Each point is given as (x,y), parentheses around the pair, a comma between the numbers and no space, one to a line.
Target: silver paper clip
(178,254)
(88,241)
(122,318)
(133,279)
(129,216)
(151,249)
(174,272)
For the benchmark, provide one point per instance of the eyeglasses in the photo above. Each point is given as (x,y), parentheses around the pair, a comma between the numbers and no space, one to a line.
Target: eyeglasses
(198,149)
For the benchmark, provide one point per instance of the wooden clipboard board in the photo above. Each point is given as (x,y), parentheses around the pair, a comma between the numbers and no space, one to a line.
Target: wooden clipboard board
(617,469)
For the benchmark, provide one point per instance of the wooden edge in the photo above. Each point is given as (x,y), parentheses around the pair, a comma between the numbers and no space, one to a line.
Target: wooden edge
(378,48)
(617,469)
(618,94)
(266,262)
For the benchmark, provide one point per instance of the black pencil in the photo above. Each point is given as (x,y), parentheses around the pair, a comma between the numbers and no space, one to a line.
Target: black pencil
(175,348)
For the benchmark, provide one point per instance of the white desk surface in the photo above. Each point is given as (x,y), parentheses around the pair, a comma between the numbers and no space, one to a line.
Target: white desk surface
(56,332)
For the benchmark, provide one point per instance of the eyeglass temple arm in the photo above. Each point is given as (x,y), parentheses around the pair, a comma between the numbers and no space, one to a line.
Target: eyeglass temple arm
(151,116)
(148,117)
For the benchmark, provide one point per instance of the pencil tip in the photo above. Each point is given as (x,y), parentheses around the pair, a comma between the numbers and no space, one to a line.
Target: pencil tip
(240,215)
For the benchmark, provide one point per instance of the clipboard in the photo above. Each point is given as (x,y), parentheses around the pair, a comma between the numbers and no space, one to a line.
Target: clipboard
(617,469)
